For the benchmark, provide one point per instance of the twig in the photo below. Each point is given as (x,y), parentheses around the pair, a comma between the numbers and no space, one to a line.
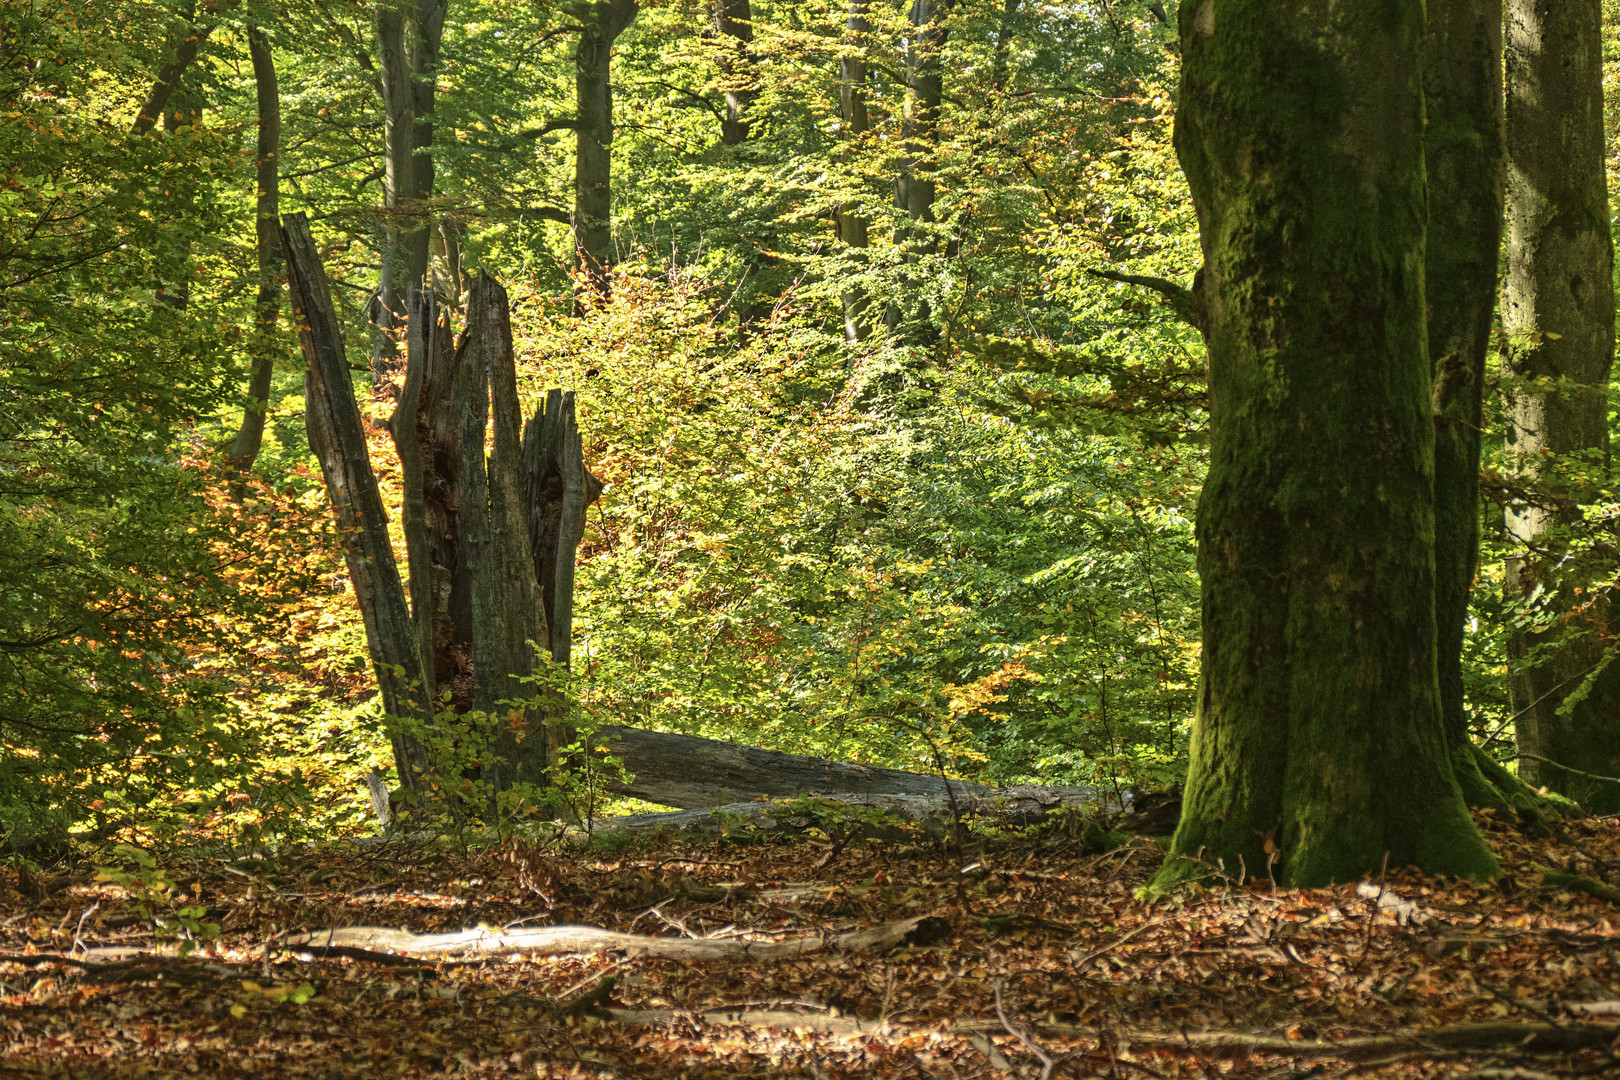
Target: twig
(1566,768)
(1029,1044)
(1117,942)
(78,941)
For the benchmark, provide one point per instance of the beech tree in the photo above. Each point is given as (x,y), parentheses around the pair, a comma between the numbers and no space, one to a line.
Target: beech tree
(1463,151)
(1318,751)
(409,33)
(1558,310)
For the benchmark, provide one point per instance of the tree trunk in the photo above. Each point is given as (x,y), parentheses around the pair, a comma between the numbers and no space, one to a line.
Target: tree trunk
(1558,309)
(1318,747)
(1463,159)
(915,189)
(427,436)
(338,438)
(507,620)
(472,526)
(267,308)
(408,36)
(603,22)
(734,26)
(852,224)
(408,445)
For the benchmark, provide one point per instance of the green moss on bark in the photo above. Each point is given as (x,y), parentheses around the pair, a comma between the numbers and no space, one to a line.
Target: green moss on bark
(1318,743)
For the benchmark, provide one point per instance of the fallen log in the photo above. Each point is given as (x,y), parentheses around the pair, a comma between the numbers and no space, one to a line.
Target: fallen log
(557,940)
(1540,1038)
(1012,807)
(690,773)
(387,944)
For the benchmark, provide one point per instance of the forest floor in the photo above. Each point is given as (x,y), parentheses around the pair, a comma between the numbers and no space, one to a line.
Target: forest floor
(1031,959)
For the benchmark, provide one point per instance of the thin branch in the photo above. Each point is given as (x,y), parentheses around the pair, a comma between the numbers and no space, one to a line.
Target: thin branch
(1565,768)
(1029,1044)
(560,124)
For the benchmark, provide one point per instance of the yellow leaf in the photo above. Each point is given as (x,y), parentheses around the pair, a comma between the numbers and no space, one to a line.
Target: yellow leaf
(239,1010)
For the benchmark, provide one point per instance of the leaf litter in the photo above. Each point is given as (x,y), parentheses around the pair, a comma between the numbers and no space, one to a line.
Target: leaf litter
(1020,956)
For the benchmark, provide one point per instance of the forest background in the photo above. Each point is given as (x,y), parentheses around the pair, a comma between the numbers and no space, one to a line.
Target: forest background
(907,481)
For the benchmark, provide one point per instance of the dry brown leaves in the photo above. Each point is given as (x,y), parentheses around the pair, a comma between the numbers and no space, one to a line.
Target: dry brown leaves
(1092,982)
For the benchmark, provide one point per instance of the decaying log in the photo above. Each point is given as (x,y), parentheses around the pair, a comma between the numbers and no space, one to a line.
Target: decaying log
(558,940)
(1542,1038)
(1012,807)
(689,773)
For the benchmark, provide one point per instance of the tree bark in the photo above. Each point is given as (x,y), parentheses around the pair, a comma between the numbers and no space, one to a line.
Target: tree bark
(1318,749)
(915,188)
(267,306)
(1463,148)
(408,445)
(337,436)
(690,773)
(156,103)
(558,489)
(427,436)
(852,224)
(1558,309)
(603,22)
(506,613)
(408,37)
(734,26)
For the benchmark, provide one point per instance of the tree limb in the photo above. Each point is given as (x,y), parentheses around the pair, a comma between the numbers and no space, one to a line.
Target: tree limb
(1179,297)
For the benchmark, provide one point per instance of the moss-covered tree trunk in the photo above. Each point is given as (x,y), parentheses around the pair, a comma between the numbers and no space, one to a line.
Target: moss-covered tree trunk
(1558,309)
(1318,747)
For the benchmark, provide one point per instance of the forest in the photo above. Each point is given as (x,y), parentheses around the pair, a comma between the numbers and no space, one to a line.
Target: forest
(651,538)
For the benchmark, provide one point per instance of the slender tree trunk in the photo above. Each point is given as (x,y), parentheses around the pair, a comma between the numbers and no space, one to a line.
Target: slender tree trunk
(267,308)
(1318,748)
(1463,149)
(915,188)
(734,26)
(337,436)
(1558,308)
(593,140)
(408,36)
(852,224)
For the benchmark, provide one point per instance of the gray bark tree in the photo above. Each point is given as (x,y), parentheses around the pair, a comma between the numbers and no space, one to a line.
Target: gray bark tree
(601,24)
(267,249)
(734,32)
(1558,308)
(915,189)
(1318,750)
(408,40)
(853,227)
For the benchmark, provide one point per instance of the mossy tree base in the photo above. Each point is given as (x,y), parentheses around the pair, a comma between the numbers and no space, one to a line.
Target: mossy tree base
(1319,754)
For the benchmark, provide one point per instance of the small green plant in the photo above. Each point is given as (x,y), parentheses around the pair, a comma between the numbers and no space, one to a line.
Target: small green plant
(158,899)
